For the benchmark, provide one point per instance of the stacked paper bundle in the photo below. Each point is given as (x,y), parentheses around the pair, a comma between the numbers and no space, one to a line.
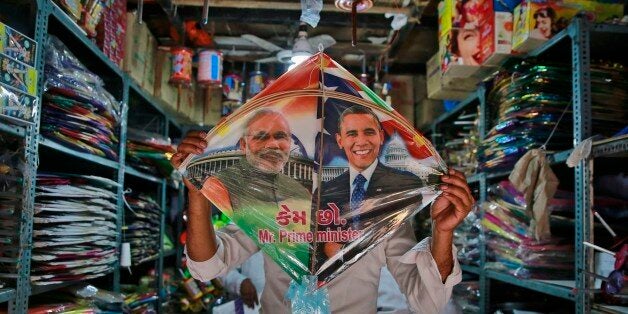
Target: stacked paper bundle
(74,230)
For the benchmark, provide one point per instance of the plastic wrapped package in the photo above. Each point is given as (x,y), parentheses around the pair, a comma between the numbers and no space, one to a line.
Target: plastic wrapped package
(149,152)
(76,109)
(511,245)
(466,297)
(528,99)
(467,238)
(279,167)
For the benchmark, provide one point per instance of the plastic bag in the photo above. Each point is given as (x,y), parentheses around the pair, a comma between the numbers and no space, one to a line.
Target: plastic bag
(278,167)
(310,11)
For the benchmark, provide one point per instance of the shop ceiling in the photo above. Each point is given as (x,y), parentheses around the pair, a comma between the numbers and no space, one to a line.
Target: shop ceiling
(277,21)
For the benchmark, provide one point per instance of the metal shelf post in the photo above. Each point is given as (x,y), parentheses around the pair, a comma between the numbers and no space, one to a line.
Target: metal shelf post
(580,35)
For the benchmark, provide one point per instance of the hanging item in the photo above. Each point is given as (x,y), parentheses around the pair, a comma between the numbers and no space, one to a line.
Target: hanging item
(181,73)
(232,87)
(209,68)
(270,194)
(257,82)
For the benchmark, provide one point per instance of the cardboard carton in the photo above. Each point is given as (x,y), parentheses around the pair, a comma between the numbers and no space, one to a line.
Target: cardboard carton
(212,106)
(537,21)
(148,83)
(162,89)
(440,86)
(136,46)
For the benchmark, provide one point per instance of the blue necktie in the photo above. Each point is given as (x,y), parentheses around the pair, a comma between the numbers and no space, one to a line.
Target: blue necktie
(357,197)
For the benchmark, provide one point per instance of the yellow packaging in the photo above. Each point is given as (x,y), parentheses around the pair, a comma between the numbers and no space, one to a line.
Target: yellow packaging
(537,21)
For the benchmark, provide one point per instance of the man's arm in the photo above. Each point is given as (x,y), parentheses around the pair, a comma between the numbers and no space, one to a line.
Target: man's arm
(415,270)
(201,241)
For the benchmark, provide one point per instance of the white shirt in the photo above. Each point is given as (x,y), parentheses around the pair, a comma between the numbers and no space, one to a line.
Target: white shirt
(390,300)
(252,268)
(367,173)
(355,289)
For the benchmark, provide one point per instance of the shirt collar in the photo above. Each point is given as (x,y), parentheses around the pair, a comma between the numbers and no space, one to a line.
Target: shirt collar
(367,173)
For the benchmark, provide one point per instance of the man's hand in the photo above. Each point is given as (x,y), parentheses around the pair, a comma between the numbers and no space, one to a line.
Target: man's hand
(248,293)
(193,143)
(450,209)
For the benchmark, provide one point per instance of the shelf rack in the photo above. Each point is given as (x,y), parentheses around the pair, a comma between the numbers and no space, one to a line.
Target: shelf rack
(581,38)
(123,88)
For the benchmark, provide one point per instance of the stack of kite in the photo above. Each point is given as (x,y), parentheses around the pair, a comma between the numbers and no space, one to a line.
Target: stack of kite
(529,99)
(11,170)
(511,244)
(74,230)
(149,152)
(77,111)
(141,228)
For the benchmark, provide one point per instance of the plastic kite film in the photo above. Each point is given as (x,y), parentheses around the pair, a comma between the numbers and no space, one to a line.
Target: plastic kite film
(279,168)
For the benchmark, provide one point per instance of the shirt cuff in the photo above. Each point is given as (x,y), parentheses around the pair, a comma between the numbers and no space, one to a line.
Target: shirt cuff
(211,268)
(421,255)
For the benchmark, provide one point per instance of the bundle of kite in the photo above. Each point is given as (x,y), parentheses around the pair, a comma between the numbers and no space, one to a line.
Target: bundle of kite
(77,111)
(149,152)
(74,230)
(511,245)
(141,227)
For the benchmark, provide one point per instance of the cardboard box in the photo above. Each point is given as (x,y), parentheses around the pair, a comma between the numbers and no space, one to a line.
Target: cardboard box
(136,46)
(537,21)
(199,105)
(17,106)
(18,75)
(112,31)
(496,39)
(17,46)
(162,89)
(212,106)
(402,94)
(148,83)
(427,111)
(461,26)
(186,102)
(441,86)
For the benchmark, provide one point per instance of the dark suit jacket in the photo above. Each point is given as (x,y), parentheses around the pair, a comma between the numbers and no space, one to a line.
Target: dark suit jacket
(391,196)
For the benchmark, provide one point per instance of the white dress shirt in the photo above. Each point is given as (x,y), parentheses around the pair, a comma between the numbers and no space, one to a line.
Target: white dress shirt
(355,289)
(367,173)
(252,268)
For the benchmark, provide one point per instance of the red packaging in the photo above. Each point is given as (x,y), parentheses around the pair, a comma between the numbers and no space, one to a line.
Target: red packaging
(111,31)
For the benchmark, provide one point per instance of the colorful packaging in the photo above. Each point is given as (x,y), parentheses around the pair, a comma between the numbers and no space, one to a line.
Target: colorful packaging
(92,13)
(112,30)
(462,25)
(17,106)
(18,75)
(496,38)
(537,21)
(17,46)
(72,7)
(443,86)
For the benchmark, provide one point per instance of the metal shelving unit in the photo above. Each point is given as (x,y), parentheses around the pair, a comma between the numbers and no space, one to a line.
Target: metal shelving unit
(581,38)
(6,294)
(123,88)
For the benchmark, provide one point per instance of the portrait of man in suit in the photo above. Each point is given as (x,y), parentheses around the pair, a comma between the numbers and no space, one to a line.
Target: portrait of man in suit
(370,195)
